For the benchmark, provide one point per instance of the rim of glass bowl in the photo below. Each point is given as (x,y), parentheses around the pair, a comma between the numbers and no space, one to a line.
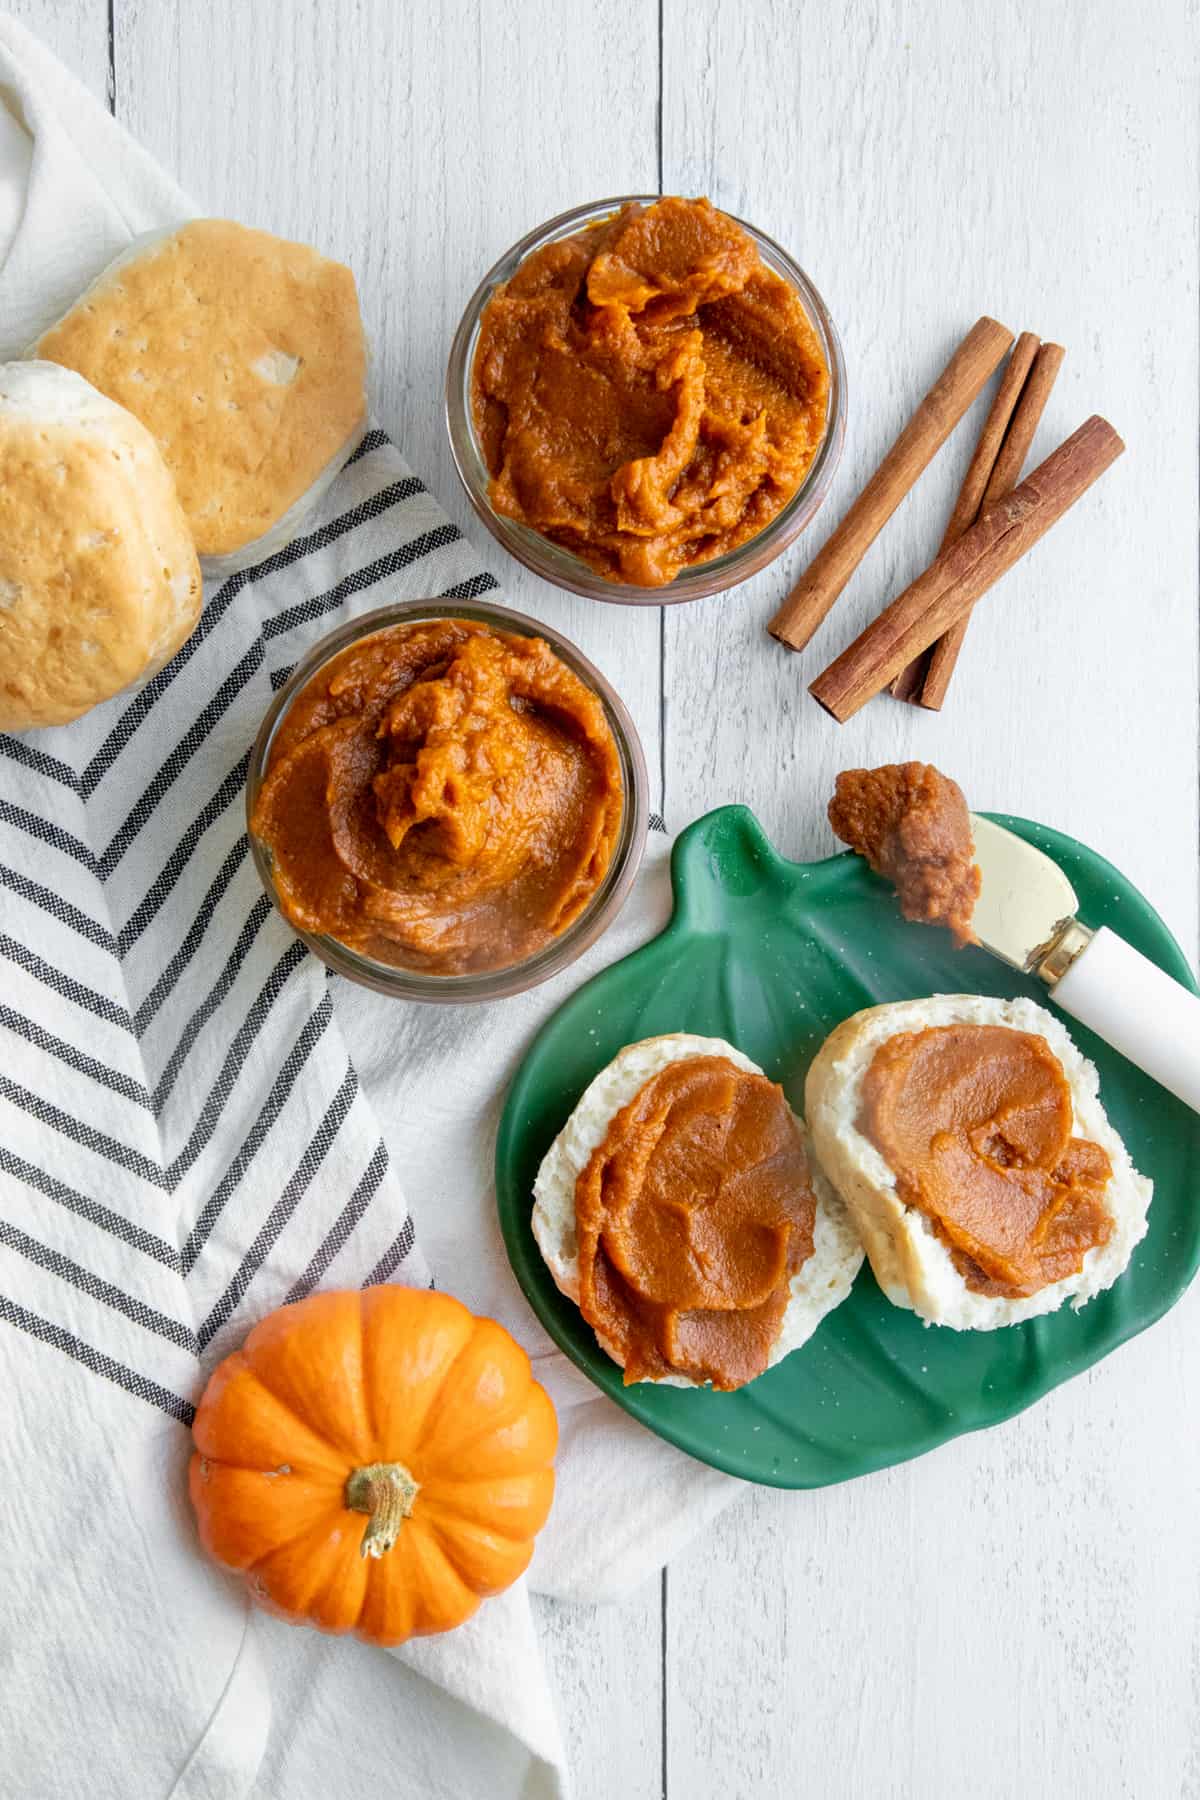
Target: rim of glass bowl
(551,561)
(610,896)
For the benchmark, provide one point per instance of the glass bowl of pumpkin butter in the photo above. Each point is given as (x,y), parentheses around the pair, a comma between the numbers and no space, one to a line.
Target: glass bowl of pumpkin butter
(646,400)
(447,801)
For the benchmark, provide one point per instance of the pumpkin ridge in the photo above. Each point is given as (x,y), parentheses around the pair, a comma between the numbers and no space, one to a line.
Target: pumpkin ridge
(455,1494)
(494,1423)
(449,1370)
(434,1542)
(330,1597)
(301,1426)
(283,1543)
(247,1354)
(292,1603)
(439,1517)
(319,1476)
(424,1545)
(524,1461)
(368,1386)
(434,1399)
(444,1538)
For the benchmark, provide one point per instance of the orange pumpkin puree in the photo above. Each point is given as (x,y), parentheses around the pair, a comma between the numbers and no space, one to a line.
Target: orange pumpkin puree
(648,393)
(693,1215)
(975,1121)
(442,797)
(911,824)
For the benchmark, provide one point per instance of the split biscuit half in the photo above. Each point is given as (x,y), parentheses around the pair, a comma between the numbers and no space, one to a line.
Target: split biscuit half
(245,356)
(99,582)
(910,1261)
(822,1282)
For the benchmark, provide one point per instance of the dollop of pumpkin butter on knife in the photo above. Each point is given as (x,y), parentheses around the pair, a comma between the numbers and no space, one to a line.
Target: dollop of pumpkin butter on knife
(910,822)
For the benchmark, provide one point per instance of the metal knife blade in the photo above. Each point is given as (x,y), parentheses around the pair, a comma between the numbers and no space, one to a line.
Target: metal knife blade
(1025,902)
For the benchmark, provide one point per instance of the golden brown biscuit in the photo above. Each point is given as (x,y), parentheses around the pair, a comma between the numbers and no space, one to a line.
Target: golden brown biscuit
(243,354)
(99,582)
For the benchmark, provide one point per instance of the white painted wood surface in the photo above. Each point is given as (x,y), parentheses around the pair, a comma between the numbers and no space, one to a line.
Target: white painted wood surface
(1019,1613)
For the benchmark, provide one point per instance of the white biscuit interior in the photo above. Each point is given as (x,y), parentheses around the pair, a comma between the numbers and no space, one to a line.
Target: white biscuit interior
(912,1264)
(823,1282)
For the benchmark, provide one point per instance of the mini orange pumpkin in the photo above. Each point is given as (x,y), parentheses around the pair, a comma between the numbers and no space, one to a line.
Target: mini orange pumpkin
(395,1403)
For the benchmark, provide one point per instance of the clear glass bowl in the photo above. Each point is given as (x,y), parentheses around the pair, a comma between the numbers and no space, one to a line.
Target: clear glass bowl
(551,561)
(606,902)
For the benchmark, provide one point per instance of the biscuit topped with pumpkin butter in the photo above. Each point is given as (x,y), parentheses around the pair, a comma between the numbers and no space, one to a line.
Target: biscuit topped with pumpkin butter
(679,1209)
(243,354)
(967,1137)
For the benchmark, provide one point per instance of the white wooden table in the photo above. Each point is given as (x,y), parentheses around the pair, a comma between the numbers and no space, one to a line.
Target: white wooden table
(1018,1614)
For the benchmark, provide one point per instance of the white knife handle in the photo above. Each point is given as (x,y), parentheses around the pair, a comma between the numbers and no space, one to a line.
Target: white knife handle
(1127,1000)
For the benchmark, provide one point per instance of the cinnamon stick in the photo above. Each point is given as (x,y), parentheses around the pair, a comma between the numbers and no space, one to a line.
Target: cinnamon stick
(910,682)
(966,570)
(943,656)
(963,378)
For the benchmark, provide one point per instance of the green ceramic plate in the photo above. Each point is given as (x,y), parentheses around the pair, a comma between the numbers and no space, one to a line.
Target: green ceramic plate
(770,955)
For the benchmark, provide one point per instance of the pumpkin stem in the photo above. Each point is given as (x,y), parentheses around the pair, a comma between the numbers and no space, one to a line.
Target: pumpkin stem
(386,1491)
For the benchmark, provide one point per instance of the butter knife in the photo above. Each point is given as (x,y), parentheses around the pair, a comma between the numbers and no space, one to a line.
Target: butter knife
(1026,915)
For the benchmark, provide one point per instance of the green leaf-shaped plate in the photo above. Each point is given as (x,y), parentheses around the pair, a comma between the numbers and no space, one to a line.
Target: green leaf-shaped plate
(771,955)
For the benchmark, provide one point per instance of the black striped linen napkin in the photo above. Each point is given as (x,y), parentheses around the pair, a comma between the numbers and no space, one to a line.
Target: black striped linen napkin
(183,1142)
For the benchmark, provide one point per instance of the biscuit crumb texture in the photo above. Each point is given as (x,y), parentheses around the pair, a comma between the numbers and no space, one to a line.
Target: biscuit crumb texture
(821,1284)
(99,581)
(243,354)
(911,1262)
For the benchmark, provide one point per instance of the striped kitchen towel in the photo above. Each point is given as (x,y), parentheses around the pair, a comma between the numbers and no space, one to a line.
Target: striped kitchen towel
(183,1142)
(181,1129)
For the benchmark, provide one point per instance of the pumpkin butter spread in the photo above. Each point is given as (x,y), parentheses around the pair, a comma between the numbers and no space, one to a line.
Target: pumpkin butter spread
(442,797)
(911,824)
(975,1121)
(693,1214)
(648,393)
